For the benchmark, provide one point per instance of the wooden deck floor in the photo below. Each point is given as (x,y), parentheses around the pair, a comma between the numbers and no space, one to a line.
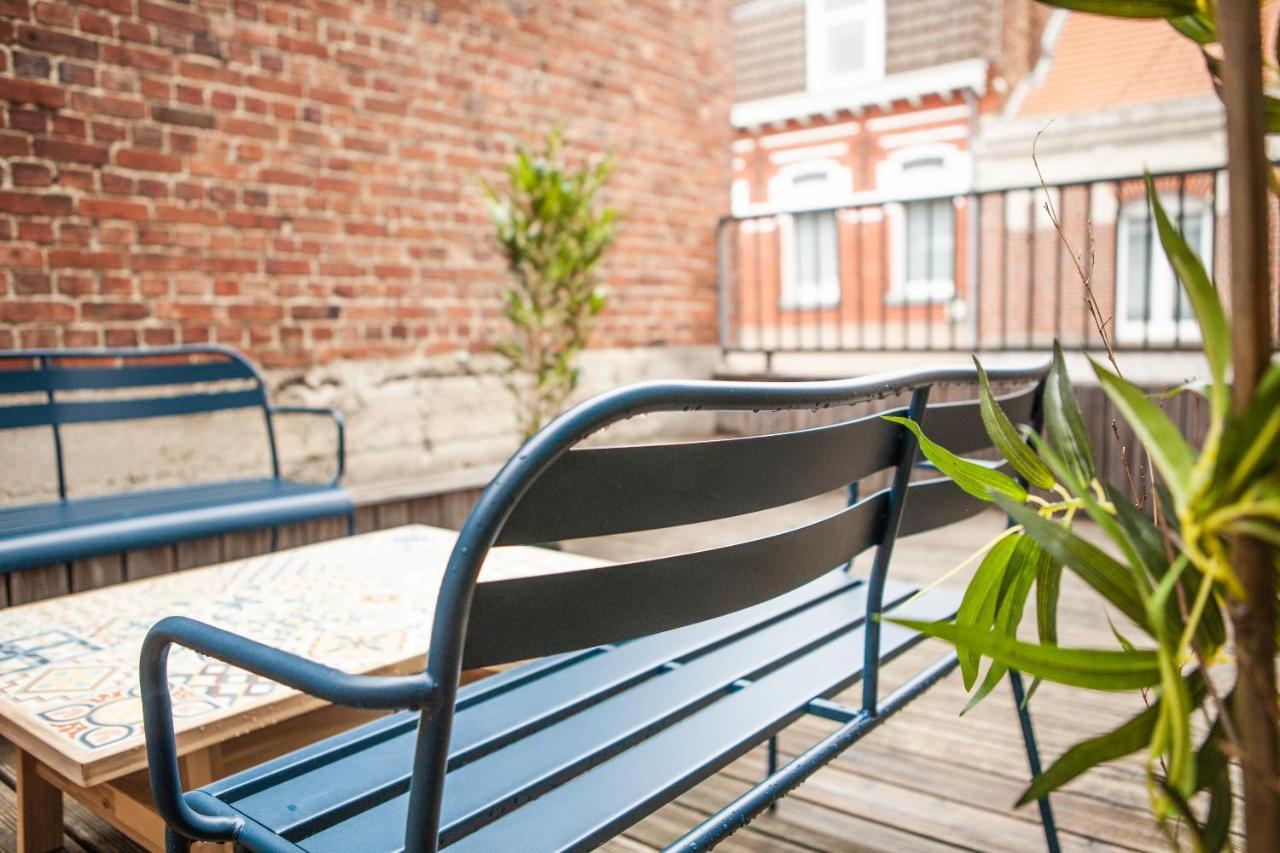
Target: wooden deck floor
(928,780)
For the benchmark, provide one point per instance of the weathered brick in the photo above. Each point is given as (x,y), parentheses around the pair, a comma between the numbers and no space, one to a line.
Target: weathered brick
(150,161)
(31,64)
(35,204)
(108,209)
(51,41)
(32,92)
(188,118)
(77,152)
(31,174)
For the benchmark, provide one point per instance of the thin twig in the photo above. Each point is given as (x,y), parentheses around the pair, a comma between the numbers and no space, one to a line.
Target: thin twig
(1077,258)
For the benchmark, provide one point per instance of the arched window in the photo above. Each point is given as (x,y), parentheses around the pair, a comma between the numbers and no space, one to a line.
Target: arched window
(922,220)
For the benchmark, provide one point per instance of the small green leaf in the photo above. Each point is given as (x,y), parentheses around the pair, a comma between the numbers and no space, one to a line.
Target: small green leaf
(1198,27)
(1175,707)
(1005,438)
(1019,577)
(1117,743)
(1095,669)
(1129,8)
(1203,296)
(978,480)
(1095,567)
(981,599)
(1064,422)
(1163,441)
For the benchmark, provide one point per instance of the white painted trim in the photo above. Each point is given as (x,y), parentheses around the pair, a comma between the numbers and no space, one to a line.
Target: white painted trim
(813,134)
(837,186)
(743,146)
(937,115)
(818,20)
(916,291)
(948,133)
(812,152)
(966,74)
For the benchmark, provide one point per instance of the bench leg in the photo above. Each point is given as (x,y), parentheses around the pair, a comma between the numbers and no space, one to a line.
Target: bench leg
(175,843)
(39,807)
(351,523)
(1033,759)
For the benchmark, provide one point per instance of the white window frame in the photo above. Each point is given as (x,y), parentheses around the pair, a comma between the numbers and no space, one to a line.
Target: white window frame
(920,291)
(1164,326)
(824,292)
(897,180)
(818,20)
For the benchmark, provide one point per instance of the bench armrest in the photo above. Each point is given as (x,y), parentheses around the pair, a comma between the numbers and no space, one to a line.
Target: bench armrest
(339,424)
(325,682)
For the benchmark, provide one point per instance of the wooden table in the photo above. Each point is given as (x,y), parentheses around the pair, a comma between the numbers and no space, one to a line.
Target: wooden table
(69,666)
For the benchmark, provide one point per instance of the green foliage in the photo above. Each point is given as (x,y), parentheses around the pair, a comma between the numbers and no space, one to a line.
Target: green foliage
(1163,565)
(554,235)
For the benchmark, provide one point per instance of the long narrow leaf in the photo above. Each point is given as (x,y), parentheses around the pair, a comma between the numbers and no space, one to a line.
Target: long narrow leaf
(1020,575)
(1169,450)
(1203,296)
(1005,438)
(981,598)
(1095,567)
(1128,8)
(1176,698)
(977,480)
(1117,743)
(1095,669)
(1064,421)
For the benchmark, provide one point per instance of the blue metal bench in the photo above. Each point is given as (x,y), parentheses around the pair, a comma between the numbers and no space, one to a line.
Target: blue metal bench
(54,388)
(649,676)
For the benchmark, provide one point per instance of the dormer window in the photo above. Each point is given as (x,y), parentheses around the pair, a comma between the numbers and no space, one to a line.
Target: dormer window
(845,42)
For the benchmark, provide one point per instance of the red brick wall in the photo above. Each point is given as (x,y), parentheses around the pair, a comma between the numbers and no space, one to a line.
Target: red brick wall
(299,179)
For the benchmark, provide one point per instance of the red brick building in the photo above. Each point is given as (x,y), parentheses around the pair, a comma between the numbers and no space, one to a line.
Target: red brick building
(848,104)
(300,181)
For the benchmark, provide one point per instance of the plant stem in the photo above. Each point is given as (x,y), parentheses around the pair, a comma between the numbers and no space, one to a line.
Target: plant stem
(1252,613)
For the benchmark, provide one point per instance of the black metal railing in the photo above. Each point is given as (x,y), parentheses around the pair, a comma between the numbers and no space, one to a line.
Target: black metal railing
(989,270)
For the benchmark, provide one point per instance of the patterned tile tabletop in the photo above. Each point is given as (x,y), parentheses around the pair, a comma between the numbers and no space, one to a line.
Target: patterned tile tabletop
(68,666)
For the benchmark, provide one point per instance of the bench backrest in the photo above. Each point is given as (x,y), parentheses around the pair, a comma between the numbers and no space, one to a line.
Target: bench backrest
(551,490)
(48,388)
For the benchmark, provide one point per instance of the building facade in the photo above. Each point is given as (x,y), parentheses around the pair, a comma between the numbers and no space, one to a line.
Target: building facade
(854,122)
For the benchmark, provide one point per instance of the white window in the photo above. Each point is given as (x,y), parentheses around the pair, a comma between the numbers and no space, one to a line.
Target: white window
(809,239)
(930,249)
(1150,302)
(845,42)
(922,227)
(810,260)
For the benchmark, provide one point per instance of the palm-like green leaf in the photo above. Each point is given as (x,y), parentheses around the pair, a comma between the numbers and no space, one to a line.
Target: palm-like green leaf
(1094,566)
(1021,573)
(1129,8)
(978,480)
(1064,422)
(1096,669)
(1203,296)
(1174,725)
(981,599)
(1117,743)
(1004,436)
(1169,450)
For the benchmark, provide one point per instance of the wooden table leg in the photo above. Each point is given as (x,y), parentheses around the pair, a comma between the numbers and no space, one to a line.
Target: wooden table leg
(39,807)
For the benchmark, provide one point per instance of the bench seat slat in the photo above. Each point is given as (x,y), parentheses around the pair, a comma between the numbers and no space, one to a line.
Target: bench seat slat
(545,691)
(319,795)
(54,532)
